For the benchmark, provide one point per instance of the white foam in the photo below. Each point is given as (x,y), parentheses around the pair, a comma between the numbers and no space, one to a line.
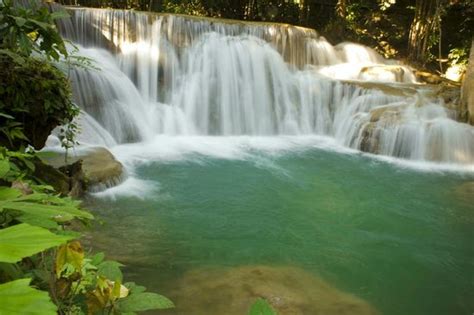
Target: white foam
(132,187)
(261,151)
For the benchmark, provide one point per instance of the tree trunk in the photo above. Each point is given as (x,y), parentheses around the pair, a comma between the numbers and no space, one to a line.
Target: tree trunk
(341,8)
(425,22)
(467,98)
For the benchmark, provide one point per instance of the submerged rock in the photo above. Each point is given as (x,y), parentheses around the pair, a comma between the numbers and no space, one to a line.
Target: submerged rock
(291,291)
(380,119)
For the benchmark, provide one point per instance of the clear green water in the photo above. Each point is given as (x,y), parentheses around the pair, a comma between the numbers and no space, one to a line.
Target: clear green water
(401,239)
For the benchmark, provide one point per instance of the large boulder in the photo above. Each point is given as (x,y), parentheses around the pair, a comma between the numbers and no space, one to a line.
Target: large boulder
(101,169)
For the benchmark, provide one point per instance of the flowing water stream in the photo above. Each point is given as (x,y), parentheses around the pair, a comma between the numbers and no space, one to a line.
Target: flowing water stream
(243,146)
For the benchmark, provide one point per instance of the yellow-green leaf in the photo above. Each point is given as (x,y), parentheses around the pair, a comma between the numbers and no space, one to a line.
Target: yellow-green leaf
(71,253)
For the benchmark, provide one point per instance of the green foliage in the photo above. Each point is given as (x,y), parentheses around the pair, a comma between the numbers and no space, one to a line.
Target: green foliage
(77,283)
(38,96)
(27,30)
(459,56)
(17,297)
(191,7)
(261,307)
(35,96)
(38,207)
(23,240)
(110,270)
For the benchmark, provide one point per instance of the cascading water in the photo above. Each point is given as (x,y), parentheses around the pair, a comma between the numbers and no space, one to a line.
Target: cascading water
(178,75)
(234,137)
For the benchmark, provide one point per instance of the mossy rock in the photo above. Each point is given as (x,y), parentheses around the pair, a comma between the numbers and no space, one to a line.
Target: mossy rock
(100,168)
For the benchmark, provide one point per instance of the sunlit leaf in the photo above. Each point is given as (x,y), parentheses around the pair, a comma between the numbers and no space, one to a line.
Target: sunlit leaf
(70,253)
(23,240)
(17,297)
(8,193)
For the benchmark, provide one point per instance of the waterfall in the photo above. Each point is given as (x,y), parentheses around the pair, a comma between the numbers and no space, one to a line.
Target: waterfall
(181,75)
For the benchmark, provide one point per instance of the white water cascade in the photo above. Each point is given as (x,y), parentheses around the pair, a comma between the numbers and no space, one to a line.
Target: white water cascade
(178,75)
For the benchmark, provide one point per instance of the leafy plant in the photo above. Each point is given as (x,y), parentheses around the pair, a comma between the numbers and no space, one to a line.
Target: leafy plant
(32,88)
(44,252)
(34,96)
(24,30)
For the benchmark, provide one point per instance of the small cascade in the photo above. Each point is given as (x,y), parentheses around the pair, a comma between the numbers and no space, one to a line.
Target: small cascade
(180,75)
(111,98)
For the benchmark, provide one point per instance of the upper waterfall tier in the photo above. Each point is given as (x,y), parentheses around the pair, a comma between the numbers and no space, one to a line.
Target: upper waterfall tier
(180,75)
(118,29)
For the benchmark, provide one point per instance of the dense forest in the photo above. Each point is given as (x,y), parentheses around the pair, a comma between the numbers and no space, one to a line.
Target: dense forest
(425,32)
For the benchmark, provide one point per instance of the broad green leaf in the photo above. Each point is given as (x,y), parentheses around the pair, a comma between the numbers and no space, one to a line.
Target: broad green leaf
(97,258)
(23,240)
(42,25)
(9,193)
(144,302)
(261,307)
(4,168)
(110,270)
(17,297)
(35,220)
(64,211)
(18,20)
(134,288)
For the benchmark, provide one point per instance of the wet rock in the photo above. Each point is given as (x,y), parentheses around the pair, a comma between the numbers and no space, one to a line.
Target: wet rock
(451,95)
(387,113)
(100,168)
(52,176)
(23,187)
(379,118)
(465,192)
(391,73)
(428,77)
(291,291)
